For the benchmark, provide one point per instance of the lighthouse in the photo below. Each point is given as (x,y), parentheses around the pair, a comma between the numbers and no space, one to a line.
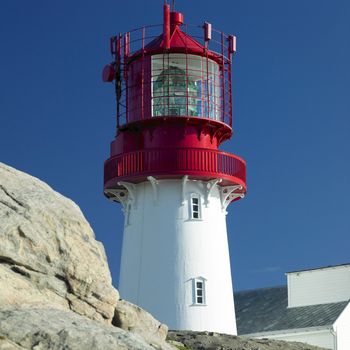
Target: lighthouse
(173,111)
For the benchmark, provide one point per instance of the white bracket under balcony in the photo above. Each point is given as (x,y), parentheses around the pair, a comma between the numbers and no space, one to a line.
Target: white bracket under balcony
(228,194)
(209,186)
(184,181)
(118,195)
(121,195)
(132,192)
(154,182)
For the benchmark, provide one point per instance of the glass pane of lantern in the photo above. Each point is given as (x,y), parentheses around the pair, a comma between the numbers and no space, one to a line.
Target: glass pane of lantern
(182,87)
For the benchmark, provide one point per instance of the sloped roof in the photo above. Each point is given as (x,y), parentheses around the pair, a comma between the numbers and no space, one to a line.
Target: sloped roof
(178,40)
(265,310)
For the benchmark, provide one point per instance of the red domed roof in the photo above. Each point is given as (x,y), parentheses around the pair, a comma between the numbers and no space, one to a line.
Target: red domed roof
(179,42)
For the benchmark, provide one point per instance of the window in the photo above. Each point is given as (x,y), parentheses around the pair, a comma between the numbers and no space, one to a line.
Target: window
(186,85)
(199,291)
(195,207)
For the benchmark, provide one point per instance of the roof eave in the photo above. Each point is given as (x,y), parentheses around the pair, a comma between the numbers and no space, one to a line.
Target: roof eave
(318,268)
(288,331)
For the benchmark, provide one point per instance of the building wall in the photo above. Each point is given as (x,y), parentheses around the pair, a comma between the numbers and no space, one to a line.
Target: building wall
(321,338)
(319,286)
(342,330)
(164,250)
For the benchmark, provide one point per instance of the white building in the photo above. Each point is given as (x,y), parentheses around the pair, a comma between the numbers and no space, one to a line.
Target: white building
(175,262)
(313,308)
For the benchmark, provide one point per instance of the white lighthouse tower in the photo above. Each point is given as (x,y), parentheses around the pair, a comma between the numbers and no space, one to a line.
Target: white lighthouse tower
(174,109)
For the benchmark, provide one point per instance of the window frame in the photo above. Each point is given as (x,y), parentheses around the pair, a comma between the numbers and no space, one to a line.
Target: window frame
(197,289)
(193,211)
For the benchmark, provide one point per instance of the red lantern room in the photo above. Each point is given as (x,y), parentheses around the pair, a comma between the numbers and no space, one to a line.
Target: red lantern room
(174,105)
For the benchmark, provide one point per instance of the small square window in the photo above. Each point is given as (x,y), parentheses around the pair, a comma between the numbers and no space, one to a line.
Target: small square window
(199,291)
(195,209)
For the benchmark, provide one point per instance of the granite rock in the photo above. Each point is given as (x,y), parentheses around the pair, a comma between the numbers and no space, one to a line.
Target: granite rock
(48,252)
(132,318)
(50,260)
(53,329)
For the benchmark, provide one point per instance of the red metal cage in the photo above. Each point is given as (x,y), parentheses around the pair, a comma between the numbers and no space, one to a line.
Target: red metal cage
(135,54)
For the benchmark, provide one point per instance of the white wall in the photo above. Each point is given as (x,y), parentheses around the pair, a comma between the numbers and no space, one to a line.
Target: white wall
(342,330)
(321,286)
(163,250)
(321,338)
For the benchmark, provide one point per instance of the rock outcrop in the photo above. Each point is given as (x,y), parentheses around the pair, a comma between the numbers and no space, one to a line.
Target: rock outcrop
(41,329)
(186,340)
(132,318)
(50,260)
(48,252)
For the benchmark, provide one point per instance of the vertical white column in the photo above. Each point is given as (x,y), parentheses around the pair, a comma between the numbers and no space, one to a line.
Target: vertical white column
(166,249)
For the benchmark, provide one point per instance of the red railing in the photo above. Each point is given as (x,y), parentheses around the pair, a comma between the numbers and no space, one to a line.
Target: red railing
(201,163)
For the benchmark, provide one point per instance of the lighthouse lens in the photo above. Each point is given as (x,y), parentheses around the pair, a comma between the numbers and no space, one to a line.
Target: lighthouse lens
(185,85)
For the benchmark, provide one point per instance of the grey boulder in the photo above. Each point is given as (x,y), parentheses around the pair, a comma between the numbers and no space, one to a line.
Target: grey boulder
(132,318)
(43,329)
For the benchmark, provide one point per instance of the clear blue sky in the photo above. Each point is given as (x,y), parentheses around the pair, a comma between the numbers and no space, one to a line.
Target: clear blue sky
(291,118)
